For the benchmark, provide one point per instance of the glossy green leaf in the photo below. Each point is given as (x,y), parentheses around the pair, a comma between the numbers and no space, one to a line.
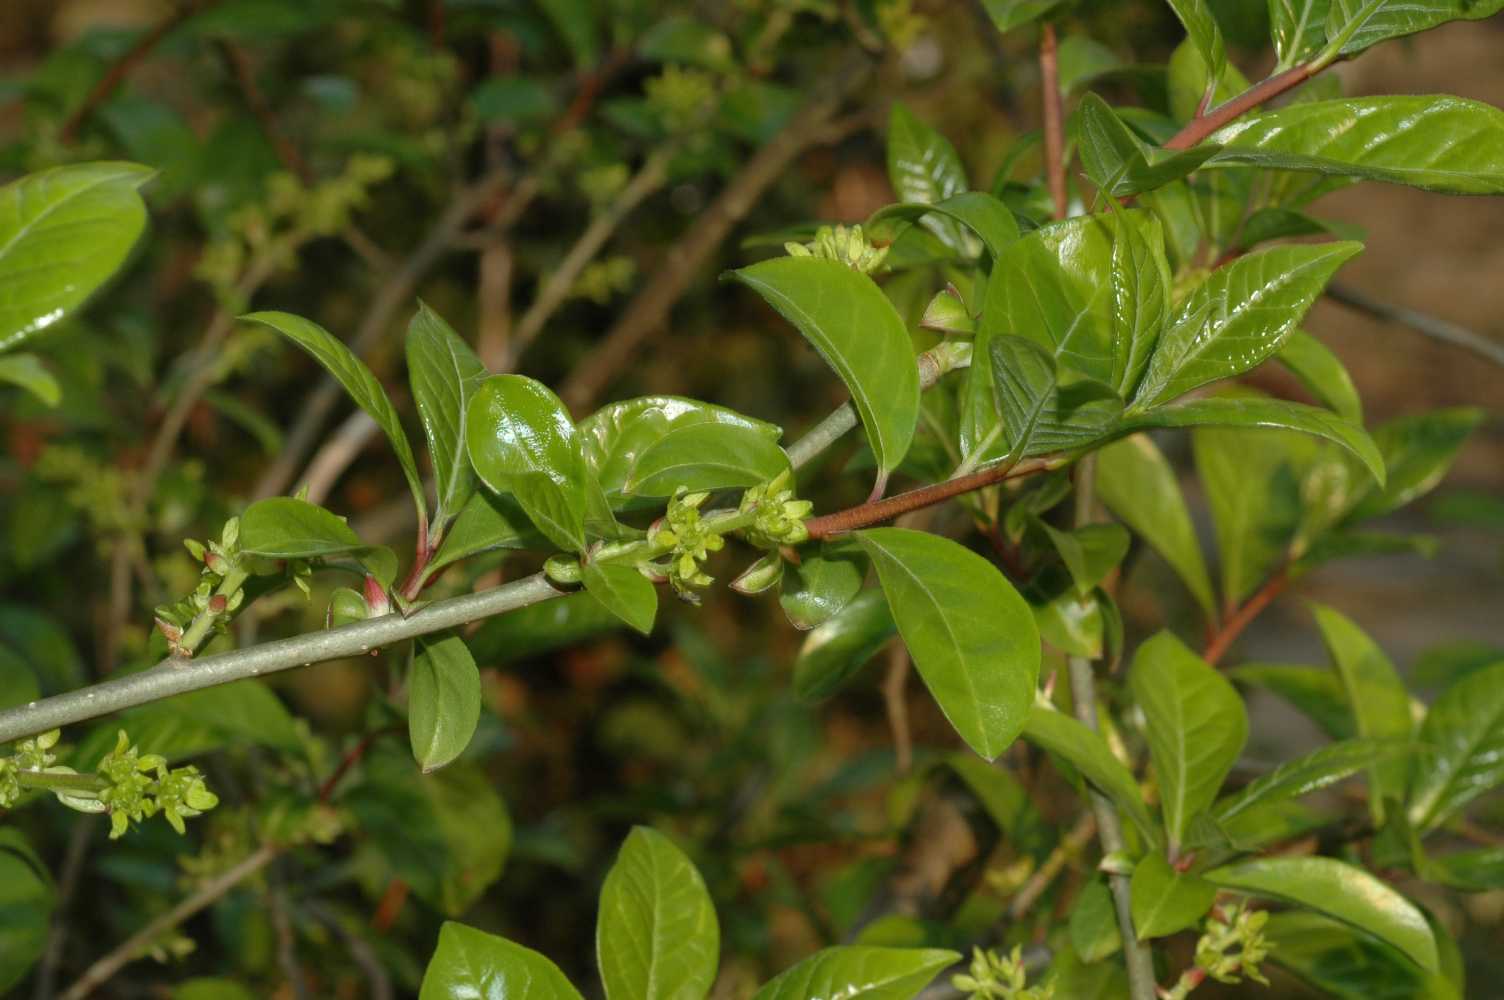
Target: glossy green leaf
(705,456)
(1009,14)
(1166,901)
(1195,726)
(1093,923)
(1418,450)
(1297,28)
(972,637)
(470,965)
(27,371)
(1276,414)
(1140,297)
(487,522)
(1089,552)
(443,700)
(656,937)
(522,442)
(1266,224)
(63,233)
(984,215)
(1480,870)
(1237,317)
(1379,701)
(923,167)
(1436,143)
(1322,372)
(859,972)
(1462,740)
(1321,767)
(1378,20)
(352,373)
(616,435)
(1338,890)
(1037,415)
(1088,753)
(443,371)
(1122,164)
(624,591)
(822,583)
(839,647)
(858,333)
(1202,31)
(1315,691)
(288,528)
(1138,485)
(27,899)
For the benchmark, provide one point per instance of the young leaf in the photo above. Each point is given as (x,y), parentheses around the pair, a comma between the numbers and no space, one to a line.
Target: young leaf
(1140,297)
(1322,372)
(443,372)
(1321,767)
(1316,692)
(1436,143)
(1379,700)
(1196,727)
(858,333)
(856,972)
(1418,450)
(488,521)
(1088,753)
(1166,901)
(472,963)
(1297,28)
(822,583)
(1242,411)
(443,700)
(1463,755)
(1138,485)
(971,635)
(27,371)
(923,167)
(288,528)
(1201,28)
(350,372)
(839,647)
(63,232)
(705,456)
(1122,164)
(522,442)
(656,937)
(1089,552)
(624,591)
(1237,317)
(1373,21)
(1093,923)
(984,215)
(1035,414)
(1339,890)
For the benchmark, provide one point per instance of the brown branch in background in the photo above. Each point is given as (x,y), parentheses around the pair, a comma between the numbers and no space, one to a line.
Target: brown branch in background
(121,68)
(1069,848)
(1235,621)
(648,311)
(1429,326)
(1054,125)
(895,698)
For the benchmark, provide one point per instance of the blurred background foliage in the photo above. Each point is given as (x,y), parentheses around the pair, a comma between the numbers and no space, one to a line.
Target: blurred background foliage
(339,159)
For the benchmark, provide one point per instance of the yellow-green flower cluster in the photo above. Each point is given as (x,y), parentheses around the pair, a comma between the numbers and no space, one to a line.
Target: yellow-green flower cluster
(849,246)
(778,518)
(141,785)
(688,542)
(1233,945)
(995,977)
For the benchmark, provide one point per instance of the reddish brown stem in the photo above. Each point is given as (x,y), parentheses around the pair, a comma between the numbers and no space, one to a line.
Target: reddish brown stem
(121,68)
(1222,639)
(352,757)
(1054,130)
(1204,125)
(868,514)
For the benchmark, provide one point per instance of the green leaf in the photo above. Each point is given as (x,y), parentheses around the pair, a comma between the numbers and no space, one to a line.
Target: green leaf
(350,372)
(1297,28)
(822,583)
(1436,143)
(705,456)
(443,372)
(984,215)
(839,647)
(188,725)
(1463,755)
(288,528)
(1009,14)
(1480,870)
(1088,753)
(521,442)
(1379,701)
(1321,767)
(624,591)
(487,522)
(1201,28)
(26,902)
(469,964)
(1195,726)
(858,333)
(1093,924)
(1277,414)
(1266,224)
(513,101)
(1089,552)
(1322,372)
(1082,60)
(1338,890)
(1138,485)
(27,371)
(616,435)
(443,700)
(63,233)
(923,167)
(1140,297)
(859,973)
(1238,316)
(1315,691)
(575,21)
(1036,415)
(1378,20)
(1418,450)
(1122,164)
(1346,964)
(541,628)
(657,936)
(971,635)
(1166,901)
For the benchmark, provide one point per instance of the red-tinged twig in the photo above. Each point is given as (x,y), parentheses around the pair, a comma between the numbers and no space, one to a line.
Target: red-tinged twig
(1054,126)
(1204,125)
(1235,622)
